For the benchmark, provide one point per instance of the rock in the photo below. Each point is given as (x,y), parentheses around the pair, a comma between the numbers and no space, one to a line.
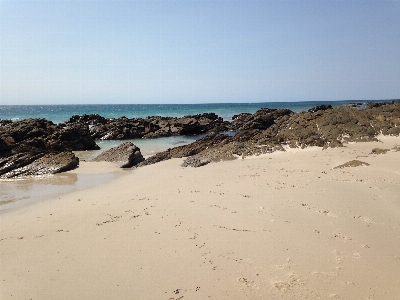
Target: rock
(3,145)
(194,148)
(268,130)
(125,155)
(194,161)
(44,135)
(73,137)
(320,107)
(5,122)
(50,163)
(379,151)
(38,146)
(352,163)
(19,160)
(151,127)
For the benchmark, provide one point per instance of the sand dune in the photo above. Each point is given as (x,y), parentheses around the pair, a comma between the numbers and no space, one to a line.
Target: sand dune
(282,226)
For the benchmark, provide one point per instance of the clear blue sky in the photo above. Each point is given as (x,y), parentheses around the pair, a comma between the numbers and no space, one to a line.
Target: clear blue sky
(111,51)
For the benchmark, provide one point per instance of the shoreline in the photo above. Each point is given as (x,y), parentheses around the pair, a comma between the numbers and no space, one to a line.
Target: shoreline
(20,193)
(275,226)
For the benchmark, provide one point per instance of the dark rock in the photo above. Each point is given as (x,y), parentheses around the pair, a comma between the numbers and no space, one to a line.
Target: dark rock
(50,163)
(320,107)
(73,137)
(125,155)
(150,127)
(44,135)
(5,122)
(38,146)
(264,118)
(3,145)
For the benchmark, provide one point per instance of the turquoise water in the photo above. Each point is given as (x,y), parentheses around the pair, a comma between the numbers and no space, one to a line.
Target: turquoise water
(61,113)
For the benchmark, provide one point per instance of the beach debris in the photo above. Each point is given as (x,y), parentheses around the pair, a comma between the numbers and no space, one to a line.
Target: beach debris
(352,163)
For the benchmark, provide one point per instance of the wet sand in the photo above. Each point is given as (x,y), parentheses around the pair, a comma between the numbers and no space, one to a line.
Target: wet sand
(280,226)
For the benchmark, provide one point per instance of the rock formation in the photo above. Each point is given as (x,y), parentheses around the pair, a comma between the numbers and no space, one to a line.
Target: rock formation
(28,164)
(125,155)
(150,127)
(270,130)
(38,146)
(24,142)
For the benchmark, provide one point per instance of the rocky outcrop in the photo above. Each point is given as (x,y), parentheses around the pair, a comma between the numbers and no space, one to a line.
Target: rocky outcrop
(38,146)
(265,131)
(151,127)
(5,122)
(211,140)
(270,130)
(125,155)
(41,135)
(320,107)
(28,164)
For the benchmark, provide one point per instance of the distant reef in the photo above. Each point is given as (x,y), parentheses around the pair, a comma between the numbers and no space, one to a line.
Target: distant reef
(38,146)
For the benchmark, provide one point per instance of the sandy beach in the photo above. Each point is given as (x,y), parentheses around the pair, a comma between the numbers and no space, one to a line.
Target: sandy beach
(280,226)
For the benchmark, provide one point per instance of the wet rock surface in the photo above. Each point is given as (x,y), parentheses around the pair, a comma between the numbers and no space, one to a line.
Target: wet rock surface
(125,155)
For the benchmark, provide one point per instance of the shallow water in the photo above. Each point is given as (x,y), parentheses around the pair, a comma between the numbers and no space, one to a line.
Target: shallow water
(147,147)
(18,192)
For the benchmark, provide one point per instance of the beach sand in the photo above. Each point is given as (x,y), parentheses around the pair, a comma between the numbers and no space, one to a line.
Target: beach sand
(281,226)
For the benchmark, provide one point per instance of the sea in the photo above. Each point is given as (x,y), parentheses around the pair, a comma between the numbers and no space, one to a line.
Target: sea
(61,113)
(19,192)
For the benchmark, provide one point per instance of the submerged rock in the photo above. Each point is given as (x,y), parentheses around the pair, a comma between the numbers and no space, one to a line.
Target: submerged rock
(125,155)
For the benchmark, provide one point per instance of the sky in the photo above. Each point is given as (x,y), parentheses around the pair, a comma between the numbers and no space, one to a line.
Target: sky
(198,51)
